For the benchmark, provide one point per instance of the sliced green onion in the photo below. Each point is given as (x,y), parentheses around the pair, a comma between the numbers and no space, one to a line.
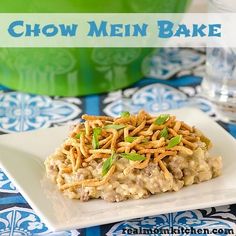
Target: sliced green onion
(161,119)
(96,133)
(78,135)
(95,142)
(133,156)
(108,164)
(174,141)
(125,114)
(164,133)
(130,139)
(117,127)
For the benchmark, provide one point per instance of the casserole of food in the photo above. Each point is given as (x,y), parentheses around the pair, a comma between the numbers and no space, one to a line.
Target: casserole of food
(131,157)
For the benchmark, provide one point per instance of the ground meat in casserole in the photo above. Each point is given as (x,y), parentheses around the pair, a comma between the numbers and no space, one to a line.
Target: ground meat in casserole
(185,170)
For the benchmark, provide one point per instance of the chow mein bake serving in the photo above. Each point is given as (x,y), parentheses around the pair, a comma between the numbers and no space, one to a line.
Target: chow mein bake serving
(131,157)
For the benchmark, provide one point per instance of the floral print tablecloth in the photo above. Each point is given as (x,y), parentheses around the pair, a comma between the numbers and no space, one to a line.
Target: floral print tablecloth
(176,76)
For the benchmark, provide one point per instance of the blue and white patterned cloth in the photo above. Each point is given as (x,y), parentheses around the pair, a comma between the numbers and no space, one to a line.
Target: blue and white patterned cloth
(24,112)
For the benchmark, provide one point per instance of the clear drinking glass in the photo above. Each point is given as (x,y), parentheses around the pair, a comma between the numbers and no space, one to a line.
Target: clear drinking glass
(219,85)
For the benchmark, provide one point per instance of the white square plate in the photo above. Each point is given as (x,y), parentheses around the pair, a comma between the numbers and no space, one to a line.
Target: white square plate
(22,156)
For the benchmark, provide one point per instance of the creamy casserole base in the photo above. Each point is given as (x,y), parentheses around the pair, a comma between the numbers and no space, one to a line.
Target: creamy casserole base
(130,183)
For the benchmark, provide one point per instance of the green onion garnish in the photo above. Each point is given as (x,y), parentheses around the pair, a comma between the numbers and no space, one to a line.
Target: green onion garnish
(117,127)
(133,156)
(130,139)
(78,135)
(164,133)
(96,133)
(174,141)
(161,119)
(125,114)
(108,164)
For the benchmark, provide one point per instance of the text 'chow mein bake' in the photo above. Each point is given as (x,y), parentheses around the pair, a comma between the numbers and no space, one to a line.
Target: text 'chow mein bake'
(131,157)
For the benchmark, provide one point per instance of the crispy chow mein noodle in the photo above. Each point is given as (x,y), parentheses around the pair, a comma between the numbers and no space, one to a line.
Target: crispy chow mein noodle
(131,157)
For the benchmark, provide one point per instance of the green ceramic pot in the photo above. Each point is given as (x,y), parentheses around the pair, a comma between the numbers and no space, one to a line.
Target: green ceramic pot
(76,71)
